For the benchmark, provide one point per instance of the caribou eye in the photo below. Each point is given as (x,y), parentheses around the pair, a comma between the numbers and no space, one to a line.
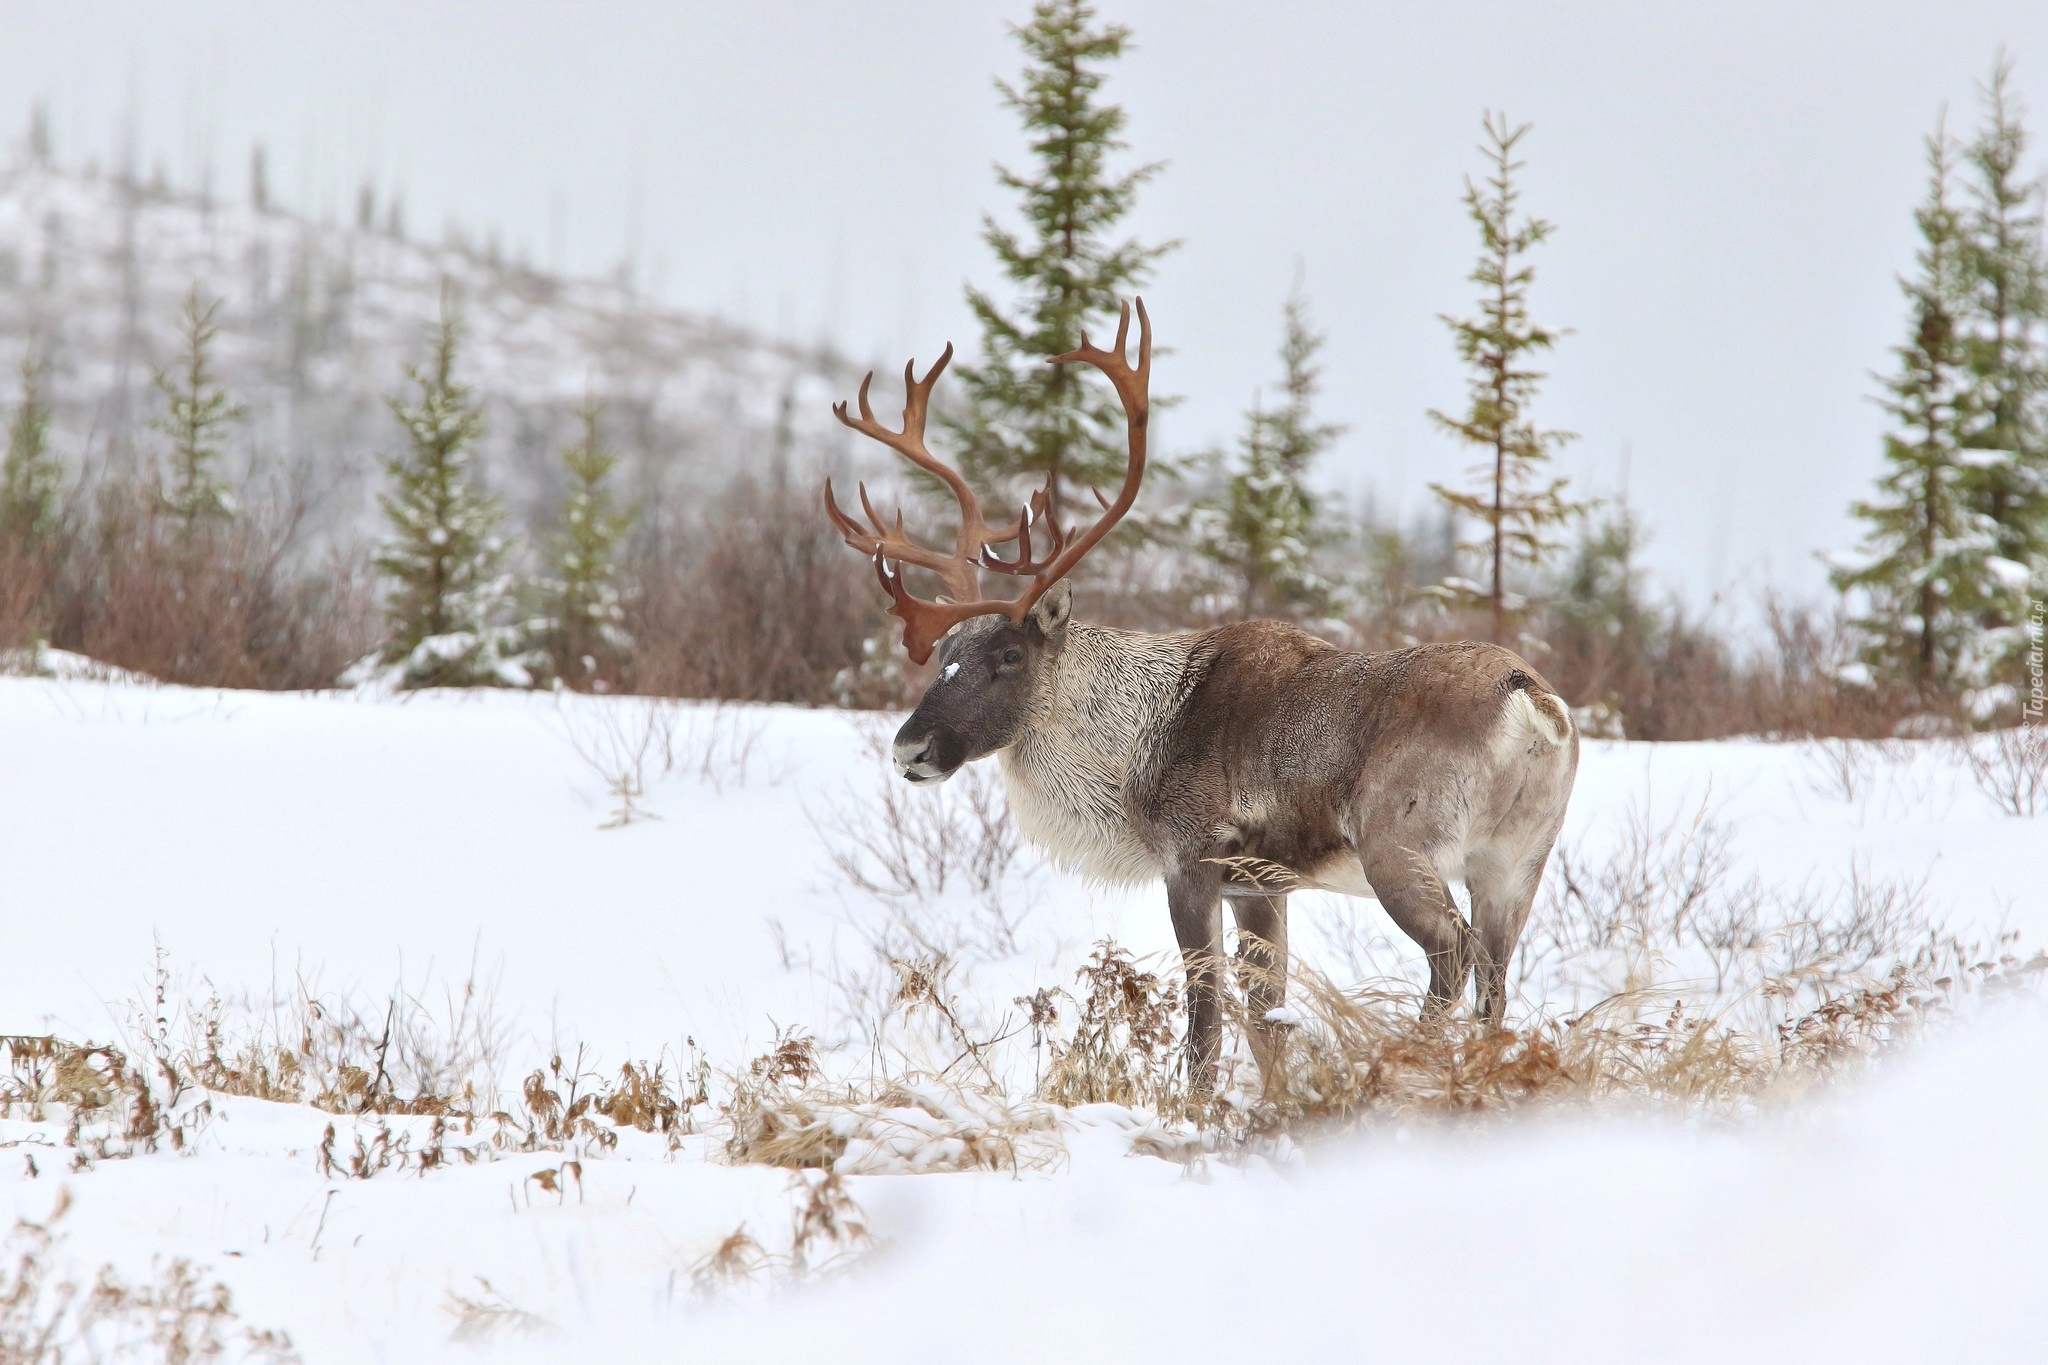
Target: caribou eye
(1013,656)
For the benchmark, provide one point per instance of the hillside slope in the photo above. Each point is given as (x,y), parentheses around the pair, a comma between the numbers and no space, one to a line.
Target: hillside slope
(320,319)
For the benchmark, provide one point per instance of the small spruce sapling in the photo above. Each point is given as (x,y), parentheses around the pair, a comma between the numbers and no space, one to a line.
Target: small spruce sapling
(1519,507)
(31,478)
(196,492)
(447,603)
(583,624)
(1603,629)
(1264,529)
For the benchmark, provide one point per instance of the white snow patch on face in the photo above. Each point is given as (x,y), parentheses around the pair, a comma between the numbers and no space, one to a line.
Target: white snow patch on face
(946,673)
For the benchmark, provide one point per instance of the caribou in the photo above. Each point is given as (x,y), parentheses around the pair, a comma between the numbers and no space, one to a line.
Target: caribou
(1235,764)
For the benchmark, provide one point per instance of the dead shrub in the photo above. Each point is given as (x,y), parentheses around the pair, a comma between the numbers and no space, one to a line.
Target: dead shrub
(115,1102)
(1125,1045)
(412,1082)
(1362,1056)
(218,604)
(935,875)
(937,1117)
(1685,679)
(1664,909)
(23,571)
(645,1099)
(907,851)
(632,742)
(377,1146)
(111,1106)
(750,596)
(2011,767)
(345,1053)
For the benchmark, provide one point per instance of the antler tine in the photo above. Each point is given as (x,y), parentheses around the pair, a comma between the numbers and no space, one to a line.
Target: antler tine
(909,443)
(845,525)
(1024,565)
(875,518)
(924,622)
(1133,388)
(862,538)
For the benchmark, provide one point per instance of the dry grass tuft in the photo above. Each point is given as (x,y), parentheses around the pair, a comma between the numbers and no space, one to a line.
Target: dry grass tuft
(735,1261)
(784,1113)
(828,1232)
(175,1316)
(1362,1056)
(486,1316)
(827,1226)
(111,1106)
(645,1099)
(411,1085)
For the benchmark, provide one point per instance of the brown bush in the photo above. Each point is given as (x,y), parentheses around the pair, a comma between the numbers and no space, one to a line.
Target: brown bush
(1681,679)
(22,575)
(208,603)
(750,597)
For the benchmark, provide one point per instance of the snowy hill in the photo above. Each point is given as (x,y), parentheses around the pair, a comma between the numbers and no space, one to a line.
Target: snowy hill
(262,841)
(319,321)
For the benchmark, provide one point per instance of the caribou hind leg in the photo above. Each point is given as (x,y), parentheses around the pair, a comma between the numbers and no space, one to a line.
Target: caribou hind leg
(1418,901)
(1262,974)
(1503,890)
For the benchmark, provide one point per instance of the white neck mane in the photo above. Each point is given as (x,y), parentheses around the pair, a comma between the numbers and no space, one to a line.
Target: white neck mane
(1066,773)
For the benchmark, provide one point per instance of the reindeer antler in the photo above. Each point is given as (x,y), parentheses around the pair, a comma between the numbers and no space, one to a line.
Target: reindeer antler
(890,548)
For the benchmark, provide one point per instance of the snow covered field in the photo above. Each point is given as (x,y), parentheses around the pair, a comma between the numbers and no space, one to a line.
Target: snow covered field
(363,844)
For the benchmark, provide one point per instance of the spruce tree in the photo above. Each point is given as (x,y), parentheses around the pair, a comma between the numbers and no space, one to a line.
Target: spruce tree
(583,624)
(196,491)
(1025,419)
(1264,529)
(1602,628)
(447,599)
(1510,494)
(2004,325)
(30,478)
(1929,563)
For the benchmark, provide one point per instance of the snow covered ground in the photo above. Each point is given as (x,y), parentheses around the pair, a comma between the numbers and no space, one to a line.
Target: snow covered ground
(362,843)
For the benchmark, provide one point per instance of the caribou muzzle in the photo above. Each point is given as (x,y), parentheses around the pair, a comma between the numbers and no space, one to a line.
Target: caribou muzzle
(928,753)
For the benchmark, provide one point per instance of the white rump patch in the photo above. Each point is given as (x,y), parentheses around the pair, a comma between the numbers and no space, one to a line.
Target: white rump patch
(1531,722)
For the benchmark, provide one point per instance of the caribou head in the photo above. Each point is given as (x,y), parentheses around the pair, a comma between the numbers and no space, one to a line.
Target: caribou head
(994,677)
(996,654)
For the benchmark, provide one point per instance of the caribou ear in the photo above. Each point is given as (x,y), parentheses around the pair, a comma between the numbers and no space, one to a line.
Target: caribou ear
(1051,612)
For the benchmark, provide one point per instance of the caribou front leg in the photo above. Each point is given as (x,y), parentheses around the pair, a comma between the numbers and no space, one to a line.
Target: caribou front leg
(1194,895)
(1262,973)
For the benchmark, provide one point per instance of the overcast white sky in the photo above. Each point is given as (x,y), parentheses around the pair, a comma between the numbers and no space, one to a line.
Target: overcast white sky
(1732,185)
